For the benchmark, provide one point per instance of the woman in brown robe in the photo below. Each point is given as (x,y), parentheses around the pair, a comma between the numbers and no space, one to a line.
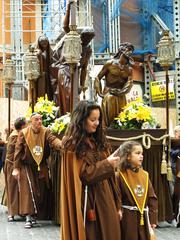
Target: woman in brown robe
(89,200)
(11,184)
(139,202)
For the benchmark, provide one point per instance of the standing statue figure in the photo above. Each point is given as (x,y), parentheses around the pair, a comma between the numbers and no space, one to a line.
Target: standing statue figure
(43,84)
(61,70)
(118,82)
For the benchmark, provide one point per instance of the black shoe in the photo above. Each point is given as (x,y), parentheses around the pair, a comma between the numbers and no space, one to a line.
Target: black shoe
(33,221)
(178,225)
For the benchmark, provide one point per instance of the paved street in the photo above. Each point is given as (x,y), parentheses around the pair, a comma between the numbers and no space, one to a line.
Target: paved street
(45,230)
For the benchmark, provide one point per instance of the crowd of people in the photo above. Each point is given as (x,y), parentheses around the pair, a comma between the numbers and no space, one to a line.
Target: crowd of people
(101,191)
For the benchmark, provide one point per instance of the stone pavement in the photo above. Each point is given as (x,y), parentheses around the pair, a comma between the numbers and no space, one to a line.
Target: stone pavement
(46,230)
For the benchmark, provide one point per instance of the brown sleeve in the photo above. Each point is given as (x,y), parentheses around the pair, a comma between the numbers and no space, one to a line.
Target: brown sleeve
(118,186)
(116,191)
(152,203)
(92,173)
(54,142)
(11,147)
(19,150)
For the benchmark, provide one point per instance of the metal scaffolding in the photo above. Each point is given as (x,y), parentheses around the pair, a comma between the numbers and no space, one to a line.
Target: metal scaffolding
(24,20)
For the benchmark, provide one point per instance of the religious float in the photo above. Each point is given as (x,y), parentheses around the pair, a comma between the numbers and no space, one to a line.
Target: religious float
(135,122)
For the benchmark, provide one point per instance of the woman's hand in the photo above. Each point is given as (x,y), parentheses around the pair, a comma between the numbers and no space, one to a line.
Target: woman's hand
(114,159)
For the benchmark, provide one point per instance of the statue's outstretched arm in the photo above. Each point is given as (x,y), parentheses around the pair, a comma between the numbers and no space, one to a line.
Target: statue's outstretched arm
(67,16)
(84,68)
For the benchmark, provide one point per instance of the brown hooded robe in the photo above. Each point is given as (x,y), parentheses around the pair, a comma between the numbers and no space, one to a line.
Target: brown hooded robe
(97,174)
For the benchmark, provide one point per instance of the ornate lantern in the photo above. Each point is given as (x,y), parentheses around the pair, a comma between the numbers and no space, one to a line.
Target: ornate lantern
(9,72)
(166,58)
(72,46)
(166,53)
(8,78)
(32,72)
(72,53)
(31,65)
(72,50)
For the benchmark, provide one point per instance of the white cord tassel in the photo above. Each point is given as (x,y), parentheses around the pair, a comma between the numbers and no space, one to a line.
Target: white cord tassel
(151,231)
(85,204)
(178,216)
(31,190)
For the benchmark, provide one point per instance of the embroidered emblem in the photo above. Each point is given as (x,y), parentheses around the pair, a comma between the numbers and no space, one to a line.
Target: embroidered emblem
(37,150)
(139,190)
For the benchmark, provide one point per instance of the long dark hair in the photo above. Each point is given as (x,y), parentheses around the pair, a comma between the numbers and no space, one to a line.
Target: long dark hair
(124,151)
(76,133)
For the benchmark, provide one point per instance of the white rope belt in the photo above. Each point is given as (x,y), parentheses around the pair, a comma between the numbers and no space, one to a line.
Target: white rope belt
(132,208)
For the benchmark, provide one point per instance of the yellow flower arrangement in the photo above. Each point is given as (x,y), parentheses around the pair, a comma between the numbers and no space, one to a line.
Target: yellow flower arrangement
(60,124)
(136,115)
(46,108)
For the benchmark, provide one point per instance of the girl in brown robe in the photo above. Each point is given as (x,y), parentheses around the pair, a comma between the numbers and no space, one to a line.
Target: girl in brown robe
(89,201)
(139,202)
(11,184)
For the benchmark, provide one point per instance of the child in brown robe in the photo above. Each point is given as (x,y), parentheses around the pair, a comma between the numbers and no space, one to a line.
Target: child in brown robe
(139,202)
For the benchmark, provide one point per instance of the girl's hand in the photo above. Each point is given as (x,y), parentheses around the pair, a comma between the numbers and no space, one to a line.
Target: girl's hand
(120,214)
(153,226)
(16,173)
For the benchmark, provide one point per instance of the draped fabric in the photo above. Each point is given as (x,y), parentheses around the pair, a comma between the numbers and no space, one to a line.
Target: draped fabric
(71,189)
(11,184)
(93,170)
(55,173)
